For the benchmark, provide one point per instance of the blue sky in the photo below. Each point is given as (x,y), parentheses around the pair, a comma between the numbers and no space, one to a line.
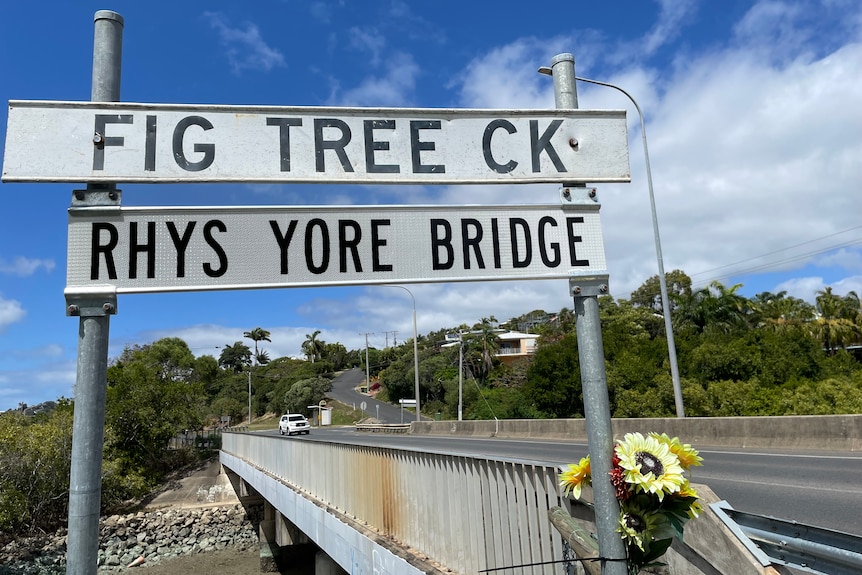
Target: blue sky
(753,120)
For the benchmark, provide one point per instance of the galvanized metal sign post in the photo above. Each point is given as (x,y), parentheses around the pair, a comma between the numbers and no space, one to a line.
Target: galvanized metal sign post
(585,289)
(94,306)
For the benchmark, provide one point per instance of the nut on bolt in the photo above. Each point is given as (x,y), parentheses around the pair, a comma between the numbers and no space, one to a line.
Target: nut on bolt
(98,139)
(73,309)
(603,288)
(108,307)
(576,290)
(573,142)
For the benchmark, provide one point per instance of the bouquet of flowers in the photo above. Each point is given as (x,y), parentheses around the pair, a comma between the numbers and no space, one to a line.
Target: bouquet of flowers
(656,499)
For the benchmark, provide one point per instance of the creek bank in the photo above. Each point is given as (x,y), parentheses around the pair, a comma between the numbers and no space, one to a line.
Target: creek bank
(154,535)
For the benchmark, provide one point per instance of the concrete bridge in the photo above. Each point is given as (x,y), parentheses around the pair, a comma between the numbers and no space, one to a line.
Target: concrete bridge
(392,511)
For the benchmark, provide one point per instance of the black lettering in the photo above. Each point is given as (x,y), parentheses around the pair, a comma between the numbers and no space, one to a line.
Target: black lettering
(555,247)
(444,242)
(150,145)
(97,247)
(321,145)
(371,145)
(486,146)
(283,241)
(495,240)
(537,145)
(309,236)
(284,125)
(376,243)
(208,150)
(573,239)
(149,248)
(213,243)
(346,244)
(468,241)
(103,120)
(514,224)
(181,243)
(417,146)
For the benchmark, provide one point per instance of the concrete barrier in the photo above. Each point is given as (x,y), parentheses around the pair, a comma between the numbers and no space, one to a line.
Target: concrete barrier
(823,432)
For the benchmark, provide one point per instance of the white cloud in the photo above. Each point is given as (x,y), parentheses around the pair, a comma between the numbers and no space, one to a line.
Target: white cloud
(368,40)
(24,267)
(10,312)
(246,48)
(395,87)
(749,154)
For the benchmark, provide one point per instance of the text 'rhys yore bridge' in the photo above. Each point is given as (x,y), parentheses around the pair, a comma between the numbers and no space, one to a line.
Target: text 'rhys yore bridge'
(150,249)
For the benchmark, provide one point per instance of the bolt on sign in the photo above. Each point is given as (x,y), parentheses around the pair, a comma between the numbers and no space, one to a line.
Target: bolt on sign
(160,249)
(127,142)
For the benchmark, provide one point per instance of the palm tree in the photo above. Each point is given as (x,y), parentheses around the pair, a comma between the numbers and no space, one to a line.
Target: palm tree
(714,306)
(836,323)
(780,312)
(235,357)
(312,347)
(256,335)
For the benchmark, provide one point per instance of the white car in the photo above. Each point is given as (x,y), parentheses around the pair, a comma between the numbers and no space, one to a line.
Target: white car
(293,423)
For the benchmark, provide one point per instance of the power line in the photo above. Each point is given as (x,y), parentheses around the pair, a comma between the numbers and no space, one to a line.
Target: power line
(775,263)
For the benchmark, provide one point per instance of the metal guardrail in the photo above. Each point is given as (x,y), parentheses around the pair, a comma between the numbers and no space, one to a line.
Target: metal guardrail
(796,545)
(467,513)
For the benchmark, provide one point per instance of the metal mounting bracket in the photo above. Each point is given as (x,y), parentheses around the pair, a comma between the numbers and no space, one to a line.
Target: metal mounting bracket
(589,285)
(97,195)
(578,196)
(91,301)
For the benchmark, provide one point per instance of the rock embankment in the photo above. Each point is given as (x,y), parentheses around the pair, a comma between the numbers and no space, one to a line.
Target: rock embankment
(156,536)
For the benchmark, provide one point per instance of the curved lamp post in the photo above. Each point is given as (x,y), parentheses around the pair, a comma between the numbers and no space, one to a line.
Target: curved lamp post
(662,281)
(415,351)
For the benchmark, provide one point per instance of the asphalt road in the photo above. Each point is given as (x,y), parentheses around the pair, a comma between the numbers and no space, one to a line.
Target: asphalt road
(811,487)
(344,390)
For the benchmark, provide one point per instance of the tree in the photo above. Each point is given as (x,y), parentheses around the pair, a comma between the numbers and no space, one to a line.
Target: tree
(836,323)
(779,312)
(312,347)
(256,335)
(481,346)
(649,293)
(715,307)
(235,357)
(34,469)
(147,405)
(306,392)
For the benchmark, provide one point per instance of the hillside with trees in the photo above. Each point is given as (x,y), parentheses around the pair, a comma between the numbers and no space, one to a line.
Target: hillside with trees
(772,354)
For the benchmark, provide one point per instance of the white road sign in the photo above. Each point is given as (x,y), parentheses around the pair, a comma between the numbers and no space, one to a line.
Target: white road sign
(124,142)
(166,249)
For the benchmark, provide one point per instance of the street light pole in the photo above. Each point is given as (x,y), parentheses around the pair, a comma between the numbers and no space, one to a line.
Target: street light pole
(415,352)
(249,396)
(460,373)
(662,281)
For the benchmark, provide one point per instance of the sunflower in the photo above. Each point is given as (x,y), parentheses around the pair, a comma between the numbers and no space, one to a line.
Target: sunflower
(686,454)
(575,477)
(649,465)
(639,526)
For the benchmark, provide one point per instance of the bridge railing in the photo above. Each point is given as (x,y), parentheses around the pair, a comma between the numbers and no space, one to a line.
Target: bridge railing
(467,513)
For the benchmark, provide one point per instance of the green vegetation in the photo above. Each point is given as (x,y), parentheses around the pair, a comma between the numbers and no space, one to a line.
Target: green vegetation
(768,355)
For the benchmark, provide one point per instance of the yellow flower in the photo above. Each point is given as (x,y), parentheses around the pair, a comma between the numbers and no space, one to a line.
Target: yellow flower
(649,465)
(576,476)
(638,526)
(686,454)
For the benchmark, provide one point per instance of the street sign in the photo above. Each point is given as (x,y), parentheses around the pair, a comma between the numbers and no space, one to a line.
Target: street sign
(164,249)
(124,142)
